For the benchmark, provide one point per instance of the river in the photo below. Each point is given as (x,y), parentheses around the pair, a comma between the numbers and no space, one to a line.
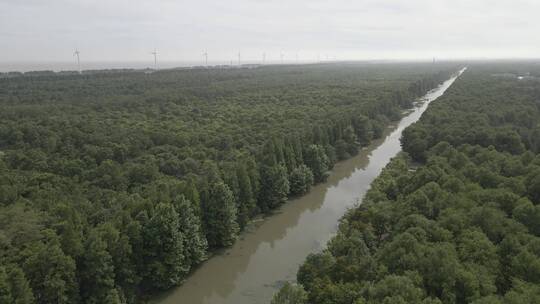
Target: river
(270,251)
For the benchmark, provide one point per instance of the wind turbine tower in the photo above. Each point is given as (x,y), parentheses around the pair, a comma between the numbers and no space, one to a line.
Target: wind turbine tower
(155,59)
(205,54)
(281,56)
(76,53)
(239,58)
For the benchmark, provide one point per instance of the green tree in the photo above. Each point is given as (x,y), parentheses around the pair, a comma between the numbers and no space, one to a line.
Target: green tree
(415,142)
(5,289)
(274,187)
(533,185)
(120,248)
(301,180)
(69,226)
(220,216)
(97,270)
(19,287)
(113,297)
(529,215)
(317,160)
(342,149)
(51,273)
(290,294)
(192,194)
(396,289)
(351,139)
(195,244)
(246,199)
(163,247)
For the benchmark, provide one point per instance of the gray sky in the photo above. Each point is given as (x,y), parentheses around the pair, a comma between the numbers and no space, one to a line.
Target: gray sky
(127,30)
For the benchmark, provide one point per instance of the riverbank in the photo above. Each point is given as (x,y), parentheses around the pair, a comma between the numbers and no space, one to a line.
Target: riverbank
(455,218)
(270,251)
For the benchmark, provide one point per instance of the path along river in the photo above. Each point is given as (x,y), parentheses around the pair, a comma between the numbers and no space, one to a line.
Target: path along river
(270,251)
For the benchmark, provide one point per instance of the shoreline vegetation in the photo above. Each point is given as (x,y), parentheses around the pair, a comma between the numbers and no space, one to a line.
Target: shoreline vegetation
(454,218)
(114,186)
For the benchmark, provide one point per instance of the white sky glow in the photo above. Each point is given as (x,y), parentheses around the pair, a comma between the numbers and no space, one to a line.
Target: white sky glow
(127,30)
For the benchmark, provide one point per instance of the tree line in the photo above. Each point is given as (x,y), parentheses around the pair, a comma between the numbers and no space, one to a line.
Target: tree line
(455,217)
(116,185)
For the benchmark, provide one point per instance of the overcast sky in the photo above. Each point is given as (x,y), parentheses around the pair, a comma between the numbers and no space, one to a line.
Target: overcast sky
(127,30)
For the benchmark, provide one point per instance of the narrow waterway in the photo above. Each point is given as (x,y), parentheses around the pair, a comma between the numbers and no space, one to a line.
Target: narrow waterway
(270,251)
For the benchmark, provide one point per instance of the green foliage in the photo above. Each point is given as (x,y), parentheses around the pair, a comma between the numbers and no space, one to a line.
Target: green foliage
(220,213)
(456,218)
(5,289)
(194,240)
(97,279)
(301,180)
(529,215)
(290,294)
(20,288)
(246,198)
(164,262)
(396,289)
(51,273)
(125,178)
(274,187)
(316,159)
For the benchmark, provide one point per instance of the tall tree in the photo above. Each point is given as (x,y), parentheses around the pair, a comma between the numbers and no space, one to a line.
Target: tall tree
(19,287)
(51,273)
(301,180)
(246,199)
(317,160)
(195,244)
(290,294)
(124,258)
(5,289)
(164,261)
(274,187)
(97,270)
(220,216)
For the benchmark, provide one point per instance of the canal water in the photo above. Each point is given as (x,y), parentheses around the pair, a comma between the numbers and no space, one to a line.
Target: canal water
(270,251)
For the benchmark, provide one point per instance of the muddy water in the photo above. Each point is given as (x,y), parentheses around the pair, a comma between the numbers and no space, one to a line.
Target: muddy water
(271,250)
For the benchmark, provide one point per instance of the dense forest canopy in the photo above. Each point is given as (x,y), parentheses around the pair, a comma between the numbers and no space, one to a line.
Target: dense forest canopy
(114,185)
(456,217)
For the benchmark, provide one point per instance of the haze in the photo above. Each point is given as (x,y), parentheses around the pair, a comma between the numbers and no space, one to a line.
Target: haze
(122,30)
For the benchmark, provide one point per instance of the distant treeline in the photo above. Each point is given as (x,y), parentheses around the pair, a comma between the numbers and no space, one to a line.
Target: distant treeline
(113,186)
(454,219)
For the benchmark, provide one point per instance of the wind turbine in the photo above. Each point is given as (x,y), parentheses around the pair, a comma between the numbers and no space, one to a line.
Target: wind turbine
(76,53)
(205,54)
(281,56)
(155,58)
(239,58)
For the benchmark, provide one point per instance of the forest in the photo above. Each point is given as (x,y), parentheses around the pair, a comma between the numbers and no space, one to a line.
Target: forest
(455,218)
(115,185)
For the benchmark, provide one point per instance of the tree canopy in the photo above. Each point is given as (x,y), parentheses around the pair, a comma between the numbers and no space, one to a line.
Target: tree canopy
(116,184)
(454,218)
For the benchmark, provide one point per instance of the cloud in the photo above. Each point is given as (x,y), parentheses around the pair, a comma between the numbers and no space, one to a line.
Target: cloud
(126,30)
